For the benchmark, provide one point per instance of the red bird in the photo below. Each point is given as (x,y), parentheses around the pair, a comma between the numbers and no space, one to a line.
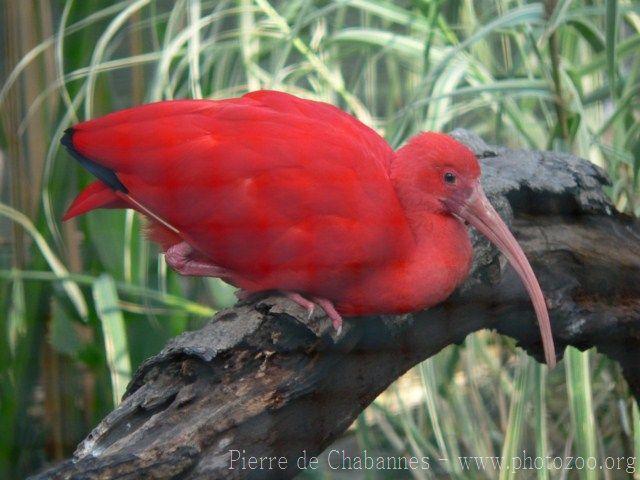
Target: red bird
(273,192)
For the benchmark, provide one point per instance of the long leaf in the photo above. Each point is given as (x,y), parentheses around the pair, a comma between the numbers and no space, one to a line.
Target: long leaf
(114,334)
(581,406)
(611,29)
(517,418)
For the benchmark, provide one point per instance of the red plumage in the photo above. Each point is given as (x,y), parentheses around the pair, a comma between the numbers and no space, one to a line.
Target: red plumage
(281,193)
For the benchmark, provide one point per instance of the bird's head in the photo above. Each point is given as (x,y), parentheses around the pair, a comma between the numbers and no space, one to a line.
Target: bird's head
(435,174)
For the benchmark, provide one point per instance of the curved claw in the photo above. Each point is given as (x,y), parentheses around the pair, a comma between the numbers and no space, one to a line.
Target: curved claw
(332,313)
(326,305)
(303,302)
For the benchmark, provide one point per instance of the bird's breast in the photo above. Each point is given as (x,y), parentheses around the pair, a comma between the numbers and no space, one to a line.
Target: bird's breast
(437,265)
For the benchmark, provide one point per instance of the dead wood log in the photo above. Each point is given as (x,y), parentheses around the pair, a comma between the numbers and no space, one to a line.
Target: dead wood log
(261,378)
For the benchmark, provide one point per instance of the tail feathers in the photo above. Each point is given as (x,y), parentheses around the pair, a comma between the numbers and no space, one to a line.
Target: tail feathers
(96,195)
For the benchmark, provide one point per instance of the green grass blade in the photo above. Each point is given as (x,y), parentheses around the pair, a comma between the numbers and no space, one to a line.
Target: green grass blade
(624,48)
(160,296)
(16,321)
(29,57)
(540,426)
(581,406)
(530,14)
(393,43)
(636,435)
(333,78)
(250,44)
(517,417)
(195,9)
(113,28)
(391,13)
(114,334)
(611,21)
(427,375)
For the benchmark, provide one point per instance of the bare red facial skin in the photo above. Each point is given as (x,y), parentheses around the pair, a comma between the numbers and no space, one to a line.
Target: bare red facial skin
(474,207)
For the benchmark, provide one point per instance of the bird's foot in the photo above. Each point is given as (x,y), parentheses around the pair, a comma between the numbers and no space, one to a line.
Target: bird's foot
(332,313)
(303,302)
(309,306)
(179,258)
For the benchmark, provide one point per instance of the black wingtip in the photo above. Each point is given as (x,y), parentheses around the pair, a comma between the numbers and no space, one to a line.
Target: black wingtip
(67,138)
(104,174)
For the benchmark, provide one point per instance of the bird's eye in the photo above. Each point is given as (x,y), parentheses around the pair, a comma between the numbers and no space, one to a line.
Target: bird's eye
(449,178)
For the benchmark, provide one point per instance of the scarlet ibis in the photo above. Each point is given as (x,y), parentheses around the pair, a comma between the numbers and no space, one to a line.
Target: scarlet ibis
(273,192)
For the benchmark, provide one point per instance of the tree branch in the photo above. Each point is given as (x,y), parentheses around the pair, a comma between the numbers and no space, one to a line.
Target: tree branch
(261,378)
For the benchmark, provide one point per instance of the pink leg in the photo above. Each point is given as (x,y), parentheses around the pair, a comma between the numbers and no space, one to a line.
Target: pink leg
(303,302)
(326,305)
(308,305)
(177,257)
(332,313)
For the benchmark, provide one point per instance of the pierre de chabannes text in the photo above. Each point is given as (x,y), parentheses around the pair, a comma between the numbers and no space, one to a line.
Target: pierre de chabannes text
(341,460)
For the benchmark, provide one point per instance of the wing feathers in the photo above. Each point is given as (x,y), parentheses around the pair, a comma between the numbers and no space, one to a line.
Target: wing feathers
(265,179)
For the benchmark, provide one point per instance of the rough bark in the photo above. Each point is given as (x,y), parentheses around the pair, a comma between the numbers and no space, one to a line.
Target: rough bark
(261,378)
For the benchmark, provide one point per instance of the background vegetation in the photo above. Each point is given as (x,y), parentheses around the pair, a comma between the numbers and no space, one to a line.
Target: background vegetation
(84,303)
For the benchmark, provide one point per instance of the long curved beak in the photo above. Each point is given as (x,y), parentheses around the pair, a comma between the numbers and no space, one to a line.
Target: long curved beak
(477,210)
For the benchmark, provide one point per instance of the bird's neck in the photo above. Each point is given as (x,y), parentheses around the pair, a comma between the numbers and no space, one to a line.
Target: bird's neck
(421,210)
(441,253)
